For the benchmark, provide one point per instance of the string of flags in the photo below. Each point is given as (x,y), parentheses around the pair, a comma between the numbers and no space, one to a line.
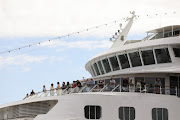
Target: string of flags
(78,32)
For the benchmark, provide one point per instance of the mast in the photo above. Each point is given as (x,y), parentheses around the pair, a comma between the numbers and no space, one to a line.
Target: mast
(121,38)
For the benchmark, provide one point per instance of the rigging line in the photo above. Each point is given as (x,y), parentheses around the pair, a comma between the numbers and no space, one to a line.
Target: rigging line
(33,50)
(67,35)
(97,27)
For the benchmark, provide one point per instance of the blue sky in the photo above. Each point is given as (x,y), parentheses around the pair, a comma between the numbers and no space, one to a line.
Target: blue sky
(26,22)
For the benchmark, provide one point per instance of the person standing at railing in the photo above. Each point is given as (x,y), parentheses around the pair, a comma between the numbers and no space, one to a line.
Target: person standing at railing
(112,84)
(125,85)
(138,86)
(52,90)
(158,84)
(32,93)
(58,89)
(91,83)
(131,86)
(143,84)
(63,86)
(88,87)
(44,89)
(101,85)
(78,85)
(27,95)
(74,84)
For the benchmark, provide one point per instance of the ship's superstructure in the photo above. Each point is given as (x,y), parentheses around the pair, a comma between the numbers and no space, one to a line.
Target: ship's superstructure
(153,60)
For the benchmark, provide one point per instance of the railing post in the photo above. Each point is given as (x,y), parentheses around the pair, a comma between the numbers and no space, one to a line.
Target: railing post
(145,89)
(176,91)
(140,88)
(160,90)
(120,87)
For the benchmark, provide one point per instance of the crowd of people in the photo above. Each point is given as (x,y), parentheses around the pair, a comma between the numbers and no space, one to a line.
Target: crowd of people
(126,86)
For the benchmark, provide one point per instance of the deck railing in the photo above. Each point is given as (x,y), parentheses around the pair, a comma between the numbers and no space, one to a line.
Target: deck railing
(164,90)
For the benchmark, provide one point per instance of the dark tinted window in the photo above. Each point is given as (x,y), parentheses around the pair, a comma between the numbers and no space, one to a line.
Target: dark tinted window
(93,71)
(96,68)
(100,66)
(162,55)
(148,57)
(159,114)
(114,63)
(92,112)
(126,113)
(135,59)
(124,61)
(106,65)
(176,52)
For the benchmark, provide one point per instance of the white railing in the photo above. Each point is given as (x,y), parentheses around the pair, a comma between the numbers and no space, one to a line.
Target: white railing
(165,90)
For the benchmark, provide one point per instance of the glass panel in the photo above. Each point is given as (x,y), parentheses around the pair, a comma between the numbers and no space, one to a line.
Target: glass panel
(121,113)
(106,65)
(150,81)
(135,59)
(148,57)
(126,111)
(124,61)
(176,52)
(86,112)
(132,113)
(96,68)
(159,113)
(93,71)
(92,112)
(114,63)
(98,112)
(100,66)
(165,114)
(154,114)
(162,55)
(173,84)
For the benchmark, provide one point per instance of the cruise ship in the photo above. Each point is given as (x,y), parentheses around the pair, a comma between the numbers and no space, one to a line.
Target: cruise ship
(132,80)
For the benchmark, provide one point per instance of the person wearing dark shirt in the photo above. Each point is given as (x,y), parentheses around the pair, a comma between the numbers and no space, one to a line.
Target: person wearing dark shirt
(125,84)
(78,83)
(63,86)
(32,93)
(101,85)
(143,84)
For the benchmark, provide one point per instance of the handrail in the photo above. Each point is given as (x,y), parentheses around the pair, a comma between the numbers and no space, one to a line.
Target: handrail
(95,87)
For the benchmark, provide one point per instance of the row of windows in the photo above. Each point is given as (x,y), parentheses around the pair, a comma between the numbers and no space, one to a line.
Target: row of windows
(134,59)
(125,113)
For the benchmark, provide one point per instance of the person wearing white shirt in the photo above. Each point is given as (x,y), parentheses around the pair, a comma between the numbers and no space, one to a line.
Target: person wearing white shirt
(52,90)
(112,84)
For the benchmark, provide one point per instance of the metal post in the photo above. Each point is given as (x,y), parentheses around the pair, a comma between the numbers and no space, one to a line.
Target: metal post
(145,89)
(160,90)
(176,91)
(140,88)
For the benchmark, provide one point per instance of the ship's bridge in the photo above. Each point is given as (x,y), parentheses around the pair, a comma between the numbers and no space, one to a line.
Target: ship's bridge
(159,52)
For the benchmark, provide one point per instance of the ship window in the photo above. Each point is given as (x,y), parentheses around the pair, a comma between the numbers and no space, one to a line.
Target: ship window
(106,65)
(159,114)
(135,59)
(162,55)
(124,61)
(100,66)
(126,113)
(93,71)
(148,57)
(114,63)
(96,68)
(176,52)
(176,32)
(92,112)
